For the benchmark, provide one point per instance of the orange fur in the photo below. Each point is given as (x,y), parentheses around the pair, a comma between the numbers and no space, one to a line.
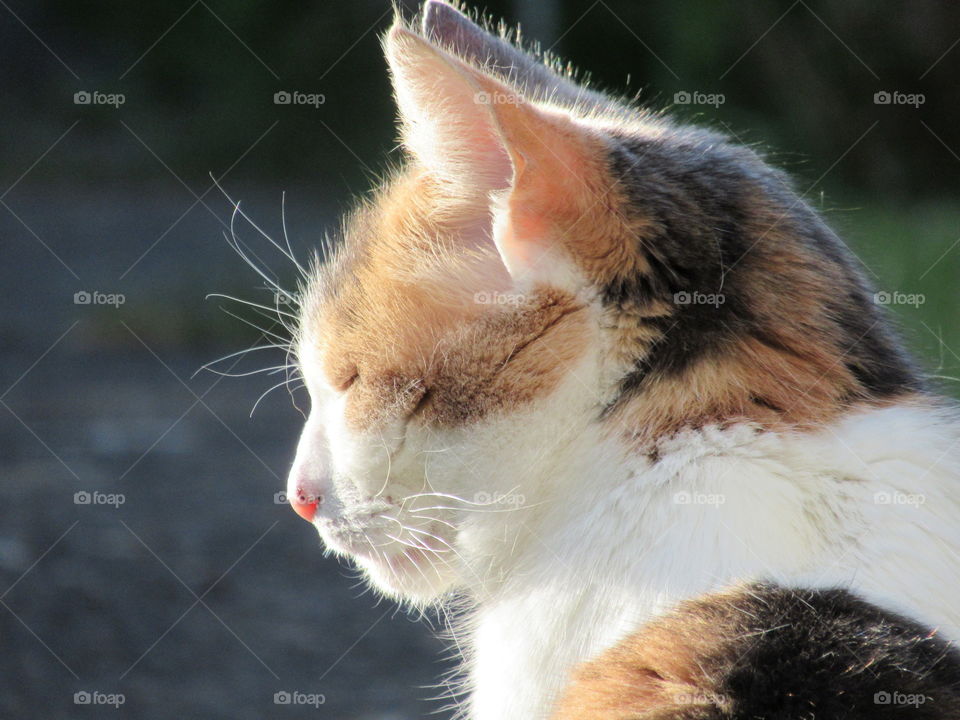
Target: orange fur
(665,670)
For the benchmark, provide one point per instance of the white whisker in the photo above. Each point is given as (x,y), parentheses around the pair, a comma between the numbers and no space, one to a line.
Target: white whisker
(234,242)
(435,519)
(268,308)
(286,236)
(268,370)
(272,334)
(285,252)
(269,390)
(210,364)
(444,495)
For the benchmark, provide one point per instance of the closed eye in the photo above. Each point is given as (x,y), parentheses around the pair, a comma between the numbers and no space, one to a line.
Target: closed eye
(342,387)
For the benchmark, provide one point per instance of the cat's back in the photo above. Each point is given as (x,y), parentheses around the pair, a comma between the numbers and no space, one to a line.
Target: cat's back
(771,653)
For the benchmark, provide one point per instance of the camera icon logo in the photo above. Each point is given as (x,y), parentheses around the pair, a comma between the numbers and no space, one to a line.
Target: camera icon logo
(82,498)
(882,97)
(82,298)
(82,97)
(280,498)
(82,698)
(282,97)
(282,698)
(882,698)
(682,98)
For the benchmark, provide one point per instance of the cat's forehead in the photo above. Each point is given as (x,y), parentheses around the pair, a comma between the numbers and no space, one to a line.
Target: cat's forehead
(411,229)
(406,306)
(401,272)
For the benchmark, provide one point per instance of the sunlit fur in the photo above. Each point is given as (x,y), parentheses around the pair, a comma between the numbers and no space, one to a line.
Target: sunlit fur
(513,413)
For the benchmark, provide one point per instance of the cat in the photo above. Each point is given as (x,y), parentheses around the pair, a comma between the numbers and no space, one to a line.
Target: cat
(575,362)
(771,653)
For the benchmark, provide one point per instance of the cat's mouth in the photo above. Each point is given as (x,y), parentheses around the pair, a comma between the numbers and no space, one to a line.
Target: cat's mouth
(382,538)
(355,535)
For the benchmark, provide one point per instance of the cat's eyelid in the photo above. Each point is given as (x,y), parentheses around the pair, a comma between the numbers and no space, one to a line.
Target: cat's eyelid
(343,386)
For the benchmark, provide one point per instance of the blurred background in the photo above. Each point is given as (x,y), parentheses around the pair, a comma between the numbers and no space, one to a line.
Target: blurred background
(143,553)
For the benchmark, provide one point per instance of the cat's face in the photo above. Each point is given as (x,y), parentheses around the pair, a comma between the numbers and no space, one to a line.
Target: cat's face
(430,376)
(551,271)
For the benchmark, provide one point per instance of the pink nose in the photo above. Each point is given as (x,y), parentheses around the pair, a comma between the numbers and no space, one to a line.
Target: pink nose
(304,504)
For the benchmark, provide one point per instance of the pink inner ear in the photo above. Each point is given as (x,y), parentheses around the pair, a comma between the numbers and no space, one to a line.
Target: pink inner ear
(521,239)
(491,156)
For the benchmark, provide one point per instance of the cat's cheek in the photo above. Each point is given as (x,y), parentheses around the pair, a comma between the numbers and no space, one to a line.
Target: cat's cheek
(364,468)
(349,446)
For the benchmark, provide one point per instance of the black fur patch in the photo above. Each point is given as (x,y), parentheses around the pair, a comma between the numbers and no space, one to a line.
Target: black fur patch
(707,200)
(829,655)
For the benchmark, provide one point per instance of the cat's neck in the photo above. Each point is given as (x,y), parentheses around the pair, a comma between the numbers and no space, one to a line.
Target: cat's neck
(712,503)
(528,522)
(624,537)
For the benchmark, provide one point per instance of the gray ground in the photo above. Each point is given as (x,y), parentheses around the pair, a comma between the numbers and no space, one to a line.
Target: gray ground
(198,596)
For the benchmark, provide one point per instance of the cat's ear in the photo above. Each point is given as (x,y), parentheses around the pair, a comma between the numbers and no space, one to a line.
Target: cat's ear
(454,31)
(444,123)
(483,137)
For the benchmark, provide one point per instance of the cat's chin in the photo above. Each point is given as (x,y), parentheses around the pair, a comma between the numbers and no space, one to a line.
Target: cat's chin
(411,575)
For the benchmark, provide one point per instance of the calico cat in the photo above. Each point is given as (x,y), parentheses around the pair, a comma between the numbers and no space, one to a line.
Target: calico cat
(762,652)
(574,363)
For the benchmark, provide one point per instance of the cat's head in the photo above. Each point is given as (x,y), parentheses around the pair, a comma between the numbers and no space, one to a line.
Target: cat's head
(550,271)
